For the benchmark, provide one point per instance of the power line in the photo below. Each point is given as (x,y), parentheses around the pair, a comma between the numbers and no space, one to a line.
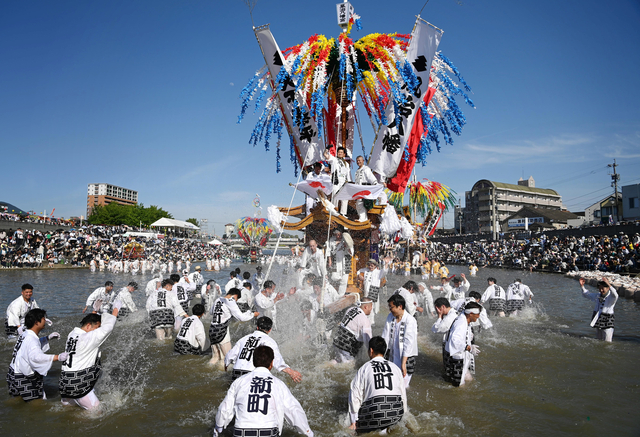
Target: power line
(588,202)
(584,195)
(570,202)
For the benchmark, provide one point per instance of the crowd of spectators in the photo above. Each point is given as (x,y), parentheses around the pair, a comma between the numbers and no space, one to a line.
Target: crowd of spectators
(77,247)
(619,253)
(35,219)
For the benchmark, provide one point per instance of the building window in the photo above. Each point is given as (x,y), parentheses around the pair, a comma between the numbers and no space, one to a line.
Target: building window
(633,202)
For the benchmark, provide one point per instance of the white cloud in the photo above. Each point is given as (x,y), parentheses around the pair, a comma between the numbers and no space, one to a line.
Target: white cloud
(474,155)
(625,146)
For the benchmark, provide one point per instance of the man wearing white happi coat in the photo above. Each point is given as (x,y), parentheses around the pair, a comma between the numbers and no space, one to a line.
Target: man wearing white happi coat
(316,175)
(103,297)
(446,316)
(496,296)
(223,310)
(184,289)
(401,334)
(266,300)
(29,363)
(327,296)
(408,292)
(340,174)
(605,300)
(18,309)
(483,321)
(82,369)
(311,263)
(378,397)
(153,285)
(459,289)
(446,289)
(458,345)
(340,253)
(242,352)
(353,332)
(319,299)
(124,295)
(197,279)
(260,402)
(363,176)
(191,338)
(234,281)
(210,293)
(371,280)
(164,309)
(245,301)
(425,299)
(516,295)
(306,289)
(258,279)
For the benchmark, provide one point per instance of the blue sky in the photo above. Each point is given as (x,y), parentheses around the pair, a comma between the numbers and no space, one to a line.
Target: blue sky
(144,95)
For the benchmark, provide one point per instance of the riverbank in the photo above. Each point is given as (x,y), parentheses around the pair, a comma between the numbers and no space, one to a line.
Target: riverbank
(625,286)
(47,267)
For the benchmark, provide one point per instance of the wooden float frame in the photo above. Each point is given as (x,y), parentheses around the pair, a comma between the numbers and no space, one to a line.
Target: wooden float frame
(315,225)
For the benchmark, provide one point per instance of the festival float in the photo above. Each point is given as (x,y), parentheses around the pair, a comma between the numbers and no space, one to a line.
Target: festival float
(133,250)
(255,233)
(318,90)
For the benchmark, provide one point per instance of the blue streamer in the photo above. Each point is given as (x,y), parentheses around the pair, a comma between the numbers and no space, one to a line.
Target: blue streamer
(263,92)
(292,156)
(423,151)
(454,69)
(408,76)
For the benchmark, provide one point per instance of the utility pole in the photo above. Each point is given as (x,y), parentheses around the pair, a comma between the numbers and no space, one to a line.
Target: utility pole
(615,177)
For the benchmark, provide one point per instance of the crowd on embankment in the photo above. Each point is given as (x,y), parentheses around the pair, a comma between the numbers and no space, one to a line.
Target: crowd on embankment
(78,247)
(35,219)
(619,253)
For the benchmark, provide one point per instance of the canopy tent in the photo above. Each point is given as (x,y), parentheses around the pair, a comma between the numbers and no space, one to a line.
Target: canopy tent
(215,242)
(176,224)
(141,234)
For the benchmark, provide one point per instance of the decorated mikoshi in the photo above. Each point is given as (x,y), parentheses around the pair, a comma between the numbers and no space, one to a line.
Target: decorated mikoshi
(133,250)
(254,231)
(427,199)
(407,89)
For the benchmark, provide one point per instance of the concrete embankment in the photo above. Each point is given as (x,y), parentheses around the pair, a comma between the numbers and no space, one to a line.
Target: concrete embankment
(626,286)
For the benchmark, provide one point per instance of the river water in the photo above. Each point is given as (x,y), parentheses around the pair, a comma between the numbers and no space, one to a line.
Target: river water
(541,373)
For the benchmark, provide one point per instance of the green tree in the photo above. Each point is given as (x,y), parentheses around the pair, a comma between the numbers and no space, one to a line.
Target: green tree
(115,214)
(193,221)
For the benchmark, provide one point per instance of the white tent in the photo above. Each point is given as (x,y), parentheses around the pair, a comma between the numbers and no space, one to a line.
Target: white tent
(215,242)
(176,224)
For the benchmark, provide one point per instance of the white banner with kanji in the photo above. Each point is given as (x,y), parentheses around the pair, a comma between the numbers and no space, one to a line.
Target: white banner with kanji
(309,147)
(391,138)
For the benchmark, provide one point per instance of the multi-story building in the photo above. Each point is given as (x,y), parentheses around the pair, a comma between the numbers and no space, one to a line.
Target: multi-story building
(631,202)
(103,194)
(489,203)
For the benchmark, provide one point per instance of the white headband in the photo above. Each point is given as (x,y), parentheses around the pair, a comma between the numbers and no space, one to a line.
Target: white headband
(472,311)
